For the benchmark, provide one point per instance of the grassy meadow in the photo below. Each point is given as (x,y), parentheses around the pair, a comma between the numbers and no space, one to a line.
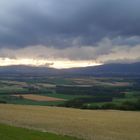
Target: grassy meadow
(15,133)
(84,124)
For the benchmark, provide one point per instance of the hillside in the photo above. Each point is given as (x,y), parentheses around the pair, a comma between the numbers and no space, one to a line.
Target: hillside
(102,70)
(109,69)
(86,124)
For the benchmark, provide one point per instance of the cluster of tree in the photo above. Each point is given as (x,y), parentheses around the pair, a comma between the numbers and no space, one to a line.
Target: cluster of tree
(85,103)
(93,91)
(80,102)
(126,105)
(2,102)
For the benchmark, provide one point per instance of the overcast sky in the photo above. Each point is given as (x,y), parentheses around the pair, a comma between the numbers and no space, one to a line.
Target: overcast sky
(103,31)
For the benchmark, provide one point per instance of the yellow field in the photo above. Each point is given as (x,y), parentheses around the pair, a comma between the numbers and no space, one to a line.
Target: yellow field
(89,125)
(39,97)
(93,81)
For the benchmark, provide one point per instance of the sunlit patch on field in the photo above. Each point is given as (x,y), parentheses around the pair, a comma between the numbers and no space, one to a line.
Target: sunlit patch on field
(38,97)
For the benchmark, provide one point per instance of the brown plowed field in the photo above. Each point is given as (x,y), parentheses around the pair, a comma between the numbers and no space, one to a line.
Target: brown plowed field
(39,97)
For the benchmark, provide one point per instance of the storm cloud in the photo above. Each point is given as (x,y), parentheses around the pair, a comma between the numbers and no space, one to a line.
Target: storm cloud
(70,25)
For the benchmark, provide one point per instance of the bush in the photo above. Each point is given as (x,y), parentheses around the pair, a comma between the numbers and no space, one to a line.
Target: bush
(2,102)
(109,106)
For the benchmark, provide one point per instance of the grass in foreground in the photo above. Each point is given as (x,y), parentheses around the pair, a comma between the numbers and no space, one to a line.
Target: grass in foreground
(15,133)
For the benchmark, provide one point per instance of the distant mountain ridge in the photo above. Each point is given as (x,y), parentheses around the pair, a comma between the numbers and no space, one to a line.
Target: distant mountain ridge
(24,69)
(133,68)
(106,69)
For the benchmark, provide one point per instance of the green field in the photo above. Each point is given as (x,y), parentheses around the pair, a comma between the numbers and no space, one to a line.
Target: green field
(15,133)
(79,92)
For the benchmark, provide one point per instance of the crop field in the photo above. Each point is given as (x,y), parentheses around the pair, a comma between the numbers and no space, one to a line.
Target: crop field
(85,124)
(38,97)
(101,81)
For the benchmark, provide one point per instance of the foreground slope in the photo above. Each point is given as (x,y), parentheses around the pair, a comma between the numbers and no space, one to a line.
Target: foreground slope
(87,124)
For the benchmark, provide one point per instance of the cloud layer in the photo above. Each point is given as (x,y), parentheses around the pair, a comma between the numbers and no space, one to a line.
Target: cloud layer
(72,29)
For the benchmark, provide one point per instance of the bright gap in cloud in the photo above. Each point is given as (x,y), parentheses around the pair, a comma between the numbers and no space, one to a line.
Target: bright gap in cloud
(59,64)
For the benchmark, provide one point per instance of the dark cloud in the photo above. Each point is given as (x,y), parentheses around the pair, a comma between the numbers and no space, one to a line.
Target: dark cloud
(68,23)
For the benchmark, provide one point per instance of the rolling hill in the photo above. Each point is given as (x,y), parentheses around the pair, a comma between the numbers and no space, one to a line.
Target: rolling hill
(102,70)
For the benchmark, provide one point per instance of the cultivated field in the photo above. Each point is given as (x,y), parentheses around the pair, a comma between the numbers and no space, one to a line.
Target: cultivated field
(101,81)
(89,125)
(38,97)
